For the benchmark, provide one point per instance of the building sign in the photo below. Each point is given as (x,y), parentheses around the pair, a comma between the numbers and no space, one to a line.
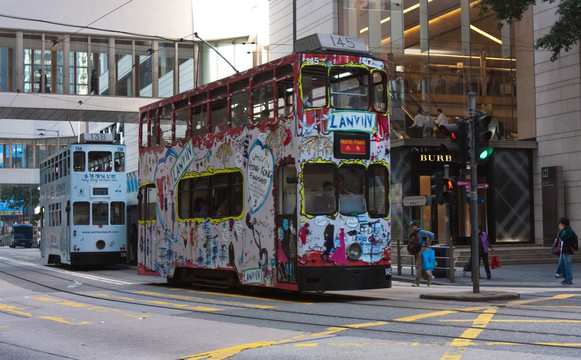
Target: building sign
(351,146)
(445,158)
(5,209)
(361,121)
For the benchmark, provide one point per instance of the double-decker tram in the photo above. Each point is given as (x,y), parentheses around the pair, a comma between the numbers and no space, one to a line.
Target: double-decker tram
(83,203)
(275,177)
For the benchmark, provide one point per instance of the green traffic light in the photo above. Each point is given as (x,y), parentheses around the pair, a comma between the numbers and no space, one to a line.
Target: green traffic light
(485,154)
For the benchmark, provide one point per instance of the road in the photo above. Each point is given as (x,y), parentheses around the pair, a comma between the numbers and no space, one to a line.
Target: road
(52,312)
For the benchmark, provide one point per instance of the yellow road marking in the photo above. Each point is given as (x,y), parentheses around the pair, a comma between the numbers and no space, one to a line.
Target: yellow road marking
(251,297)
(159,302)
(459,345)
(193,298)
(438,313)
(225,353)
(517,321)
(61,320)
(74,304)
(18,311)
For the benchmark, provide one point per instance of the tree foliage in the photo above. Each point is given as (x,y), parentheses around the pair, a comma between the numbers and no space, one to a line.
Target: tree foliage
(565,33)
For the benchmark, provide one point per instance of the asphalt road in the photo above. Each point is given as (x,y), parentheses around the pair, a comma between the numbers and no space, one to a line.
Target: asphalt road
(52,312)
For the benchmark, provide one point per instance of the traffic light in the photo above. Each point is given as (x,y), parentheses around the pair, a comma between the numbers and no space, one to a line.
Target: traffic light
(481,137)
(437,190)
(458,146)
(450,194)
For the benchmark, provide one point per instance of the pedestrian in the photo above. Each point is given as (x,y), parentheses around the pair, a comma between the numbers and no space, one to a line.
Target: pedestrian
(417,128)
(560,269)
(94,83)
(569,243)
(483,247)
(428,125)
(425,240)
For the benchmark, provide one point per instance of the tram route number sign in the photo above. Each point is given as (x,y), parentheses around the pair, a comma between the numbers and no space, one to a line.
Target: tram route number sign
(414,200)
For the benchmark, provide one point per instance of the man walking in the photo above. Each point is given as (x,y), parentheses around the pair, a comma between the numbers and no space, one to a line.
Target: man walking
(425,240)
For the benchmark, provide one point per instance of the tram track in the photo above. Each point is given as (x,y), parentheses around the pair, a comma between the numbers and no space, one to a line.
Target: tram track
(323,320)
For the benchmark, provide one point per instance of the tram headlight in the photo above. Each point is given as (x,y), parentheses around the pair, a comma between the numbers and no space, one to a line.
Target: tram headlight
(354,251)
(100,244)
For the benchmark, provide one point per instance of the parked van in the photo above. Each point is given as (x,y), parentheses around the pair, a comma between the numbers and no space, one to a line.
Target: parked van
(22,235)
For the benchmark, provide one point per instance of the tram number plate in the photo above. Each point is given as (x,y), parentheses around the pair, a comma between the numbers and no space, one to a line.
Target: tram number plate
(124,254)
(388,271)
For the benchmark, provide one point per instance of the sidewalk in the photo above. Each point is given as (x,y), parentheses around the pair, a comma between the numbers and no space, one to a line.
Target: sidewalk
(509,276)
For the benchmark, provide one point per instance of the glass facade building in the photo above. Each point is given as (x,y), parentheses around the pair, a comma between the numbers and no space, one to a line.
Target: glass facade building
(439,51)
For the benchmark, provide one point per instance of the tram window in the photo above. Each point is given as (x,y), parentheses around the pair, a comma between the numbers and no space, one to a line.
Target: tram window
(147,202)
(351,188)
(119,161)
(81,212)
(185,195)
(117,213)
(100,212)
(287,192)
(319,198)
(377,188)
(218,115)
(239,109)
(220,200)
(379,91)
(154,130)
(284,71)
(144,130)
(79,160)
(314,86)
(166,125)
(100,161)
(181,131)
(285,93)
(349,88)
(262,103)
(199,120)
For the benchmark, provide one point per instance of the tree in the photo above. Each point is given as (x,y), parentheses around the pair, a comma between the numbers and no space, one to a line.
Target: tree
(25,197)
(564,33)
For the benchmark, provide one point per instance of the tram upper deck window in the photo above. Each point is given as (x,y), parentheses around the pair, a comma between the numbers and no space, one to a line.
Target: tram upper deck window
(79,161)
(100,161)
(219,115)
(319,189)
(262,103)
(351,187)
(349,87)
(119,161)
(199,120)
(314,86)
(379,91)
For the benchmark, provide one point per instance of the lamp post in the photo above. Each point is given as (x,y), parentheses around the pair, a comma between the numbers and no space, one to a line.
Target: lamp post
(58,138)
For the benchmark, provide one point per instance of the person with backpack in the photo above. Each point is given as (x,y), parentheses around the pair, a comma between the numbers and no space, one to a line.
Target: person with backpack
(420,241)
(570,245)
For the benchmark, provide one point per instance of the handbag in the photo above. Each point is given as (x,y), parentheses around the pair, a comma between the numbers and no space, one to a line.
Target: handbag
(556,248)
(494,262)
(429,260)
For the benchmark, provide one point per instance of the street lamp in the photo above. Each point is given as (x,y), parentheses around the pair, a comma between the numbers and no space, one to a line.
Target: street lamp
(58,138)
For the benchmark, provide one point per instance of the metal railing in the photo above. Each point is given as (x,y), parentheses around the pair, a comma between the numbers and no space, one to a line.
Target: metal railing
(404,259)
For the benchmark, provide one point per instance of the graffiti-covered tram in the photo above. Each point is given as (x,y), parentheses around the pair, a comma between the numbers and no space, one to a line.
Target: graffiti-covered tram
(275,177)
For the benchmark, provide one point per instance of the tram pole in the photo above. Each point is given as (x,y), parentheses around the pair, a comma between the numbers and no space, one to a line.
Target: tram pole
(473,195)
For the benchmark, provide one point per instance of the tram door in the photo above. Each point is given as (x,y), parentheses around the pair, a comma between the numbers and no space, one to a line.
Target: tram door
(286,224)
